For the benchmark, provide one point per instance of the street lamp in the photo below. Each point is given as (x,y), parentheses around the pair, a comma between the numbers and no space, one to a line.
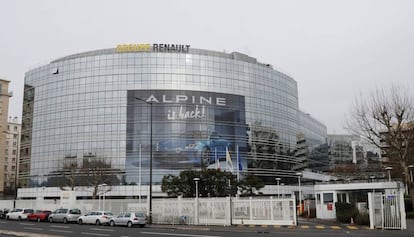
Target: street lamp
(299,174)
(389,172)
(278,190)
(101,192)
(372,180)
(196,197)
(150,163)
(411,172)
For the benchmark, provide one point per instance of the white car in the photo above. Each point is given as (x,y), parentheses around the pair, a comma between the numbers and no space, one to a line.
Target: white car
(18,214)
(95,217)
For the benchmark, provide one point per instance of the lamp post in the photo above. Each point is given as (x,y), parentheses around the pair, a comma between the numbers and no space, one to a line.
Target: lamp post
(411,172)
(388,169)
(372,181)
(196,197)
(101,192)
(299,174)
(150,163)
(278,190)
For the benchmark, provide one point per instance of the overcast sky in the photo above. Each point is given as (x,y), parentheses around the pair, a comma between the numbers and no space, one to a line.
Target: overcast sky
(335,50)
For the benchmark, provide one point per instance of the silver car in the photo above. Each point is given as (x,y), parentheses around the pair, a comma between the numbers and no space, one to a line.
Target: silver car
(65,215)
(129,219)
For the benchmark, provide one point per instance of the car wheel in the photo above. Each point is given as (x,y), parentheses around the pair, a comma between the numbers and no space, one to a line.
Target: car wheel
(38,219)
(80,222)
(205,157)
(97,222)
(65,221)
(7,217)
(19,218)
(51,220)
(130,224)
(112,223)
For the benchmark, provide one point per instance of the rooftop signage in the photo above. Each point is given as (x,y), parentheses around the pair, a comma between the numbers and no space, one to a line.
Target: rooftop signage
(173,48)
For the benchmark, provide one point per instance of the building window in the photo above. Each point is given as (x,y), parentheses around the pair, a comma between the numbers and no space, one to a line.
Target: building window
(327,198)
(13,167)
(14,152)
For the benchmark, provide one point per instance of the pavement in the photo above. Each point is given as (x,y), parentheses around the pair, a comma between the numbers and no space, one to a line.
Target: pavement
(303,223)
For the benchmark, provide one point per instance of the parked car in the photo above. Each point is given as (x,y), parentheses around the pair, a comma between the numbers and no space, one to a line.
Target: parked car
(39,215)
(96,217)
(18,214)
(65,215)
(3,213)
(192,148)
(129,219)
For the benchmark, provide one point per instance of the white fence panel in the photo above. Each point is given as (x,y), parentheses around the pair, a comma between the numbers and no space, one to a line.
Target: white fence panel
(211,211)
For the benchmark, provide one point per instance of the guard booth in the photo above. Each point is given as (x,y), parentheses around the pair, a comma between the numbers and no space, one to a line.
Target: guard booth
(386,207)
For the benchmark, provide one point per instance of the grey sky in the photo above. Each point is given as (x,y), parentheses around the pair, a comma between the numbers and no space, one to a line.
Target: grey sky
(335,50)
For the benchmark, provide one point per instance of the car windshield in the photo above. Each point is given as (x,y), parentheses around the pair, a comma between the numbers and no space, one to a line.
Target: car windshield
(139,215)
(108,213)
(75,211)
(16,210)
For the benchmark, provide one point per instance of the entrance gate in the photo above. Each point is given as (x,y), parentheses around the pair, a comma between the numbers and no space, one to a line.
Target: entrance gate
(386,211)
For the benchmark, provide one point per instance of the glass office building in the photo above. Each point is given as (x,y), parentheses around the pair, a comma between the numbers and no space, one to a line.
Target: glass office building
(207,109)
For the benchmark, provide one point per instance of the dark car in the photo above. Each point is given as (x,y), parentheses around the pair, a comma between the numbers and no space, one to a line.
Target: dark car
(39,215)
(3,213)
(192,150)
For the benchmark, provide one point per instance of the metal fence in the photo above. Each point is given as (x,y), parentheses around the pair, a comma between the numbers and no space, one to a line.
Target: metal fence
(387,211)
(211,211)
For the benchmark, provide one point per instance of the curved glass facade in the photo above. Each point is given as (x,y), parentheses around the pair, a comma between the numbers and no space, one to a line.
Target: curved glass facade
(206,106)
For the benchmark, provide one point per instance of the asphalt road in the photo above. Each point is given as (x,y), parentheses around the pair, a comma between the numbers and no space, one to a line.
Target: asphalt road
(34,229)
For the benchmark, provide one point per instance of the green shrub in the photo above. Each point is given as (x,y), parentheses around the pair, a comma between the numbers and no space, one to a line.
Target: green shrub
(362,219)
(345,211)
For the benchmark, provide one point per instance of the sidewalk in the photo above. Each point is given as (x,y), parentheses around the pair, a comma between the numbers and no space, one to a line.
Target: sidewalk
(303,223)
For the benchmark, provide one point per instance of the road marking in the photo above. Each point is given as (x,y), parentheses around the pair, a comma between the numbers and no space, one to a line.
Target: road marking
(32,228)
(335,227)
(304,227)
(60,226)
(320,227)
(63,231)
(26,224)
(95,234)
(170,234)
(276,226)
(352,227)
(99,229)
(3,222)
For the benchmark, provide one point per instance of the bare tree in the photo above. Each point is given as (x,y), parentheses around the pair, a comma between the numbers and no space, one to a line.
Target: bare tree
(386,119)
(97,172)
(70,172)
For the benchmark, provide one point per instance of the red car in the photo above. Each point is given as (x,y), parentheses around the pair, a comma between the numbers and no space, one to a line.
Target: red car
(39,215)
